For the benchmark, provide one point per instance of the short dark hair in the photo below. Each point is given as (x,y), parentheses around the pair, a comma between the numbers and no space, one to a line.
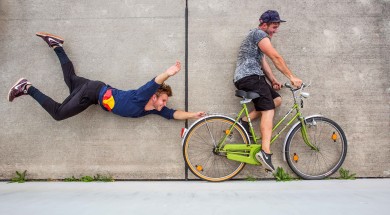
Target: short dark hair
(269,23)
(164,89)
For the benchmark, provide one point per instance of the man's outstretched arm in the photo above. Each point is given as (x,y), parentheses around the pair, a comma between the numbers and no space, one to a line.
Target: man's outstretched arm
(171,71)
(182,115)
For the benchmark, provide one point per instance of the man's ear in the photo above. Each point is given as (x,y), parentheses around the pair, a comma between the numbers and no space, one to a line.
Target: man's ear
(154,97)
(263,26)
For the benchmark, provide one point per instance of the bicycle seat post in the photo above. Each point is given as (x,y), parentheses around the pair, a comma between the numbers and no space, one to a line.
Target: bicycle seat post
(245,101)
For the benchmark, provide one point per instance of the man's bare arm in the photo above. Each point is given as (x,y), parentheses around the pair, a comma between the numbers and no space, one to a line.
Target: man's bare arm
(269,74)
(182,115)
(171,71)
(267,48)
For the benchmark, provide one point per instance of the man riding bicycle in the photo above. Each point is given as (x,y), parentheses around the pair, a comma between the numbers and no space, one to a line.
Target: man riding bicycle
(251,71)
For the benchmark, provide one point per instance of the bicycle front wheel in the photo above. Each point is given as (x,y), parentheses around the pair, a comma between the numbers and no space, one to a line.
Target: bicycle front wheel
(199,148)
(329,153)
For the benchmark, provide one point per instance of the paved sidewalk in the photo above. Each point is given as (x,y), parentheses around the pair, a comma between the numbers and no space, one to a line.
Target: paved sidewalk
(363,196)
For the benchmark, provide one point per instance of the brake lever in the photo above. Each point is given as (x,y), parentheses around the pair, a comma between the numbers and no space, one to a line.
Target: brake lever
(308,84)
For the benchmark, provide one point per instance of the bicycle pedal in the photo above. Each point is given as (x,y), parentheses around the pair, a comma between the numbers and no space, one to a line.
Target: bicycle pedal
(268,171)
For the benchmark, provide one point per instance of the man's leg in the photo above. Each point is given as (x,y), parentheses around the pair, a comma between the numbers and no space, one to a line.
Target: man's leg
(266,133)
(75,103)
(266,129)
(277,101)
(254,114)
(267,102)
(83,92)
(71,79)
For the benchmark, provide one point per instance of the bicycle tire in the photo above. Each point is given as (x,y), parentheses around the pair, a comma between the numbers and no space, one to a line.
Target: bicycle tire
(198,148)
(331,142)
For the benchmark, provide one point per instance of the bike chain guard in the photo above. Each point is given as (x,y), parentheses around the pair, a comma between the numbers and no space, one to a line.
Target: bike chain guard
(242,153)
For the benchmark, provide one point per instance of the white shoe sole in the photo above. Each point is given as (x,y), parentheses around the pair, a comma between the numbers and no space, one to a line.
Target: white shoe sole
(45,34)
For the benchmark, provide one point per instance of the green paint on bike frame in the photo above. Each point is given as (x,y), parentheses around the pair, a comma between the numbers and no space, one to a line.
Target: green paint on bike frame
(221,143)
(242,152)
(306,137)
(246,152)
(298,114)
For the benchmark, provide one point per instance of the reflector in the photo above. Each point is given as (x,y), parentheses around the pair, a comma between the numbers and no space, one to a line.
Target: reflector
(334,136)
(295,158)
(199,167)
(182,132)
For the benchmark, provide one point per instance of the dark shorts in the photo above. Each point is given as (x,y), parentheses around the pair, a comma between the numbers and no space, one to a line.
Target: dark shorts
(259,85)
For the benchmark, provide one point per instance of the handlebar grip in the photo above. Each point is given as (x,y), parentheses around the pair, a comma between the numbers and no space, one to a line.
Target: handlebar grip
(303,85)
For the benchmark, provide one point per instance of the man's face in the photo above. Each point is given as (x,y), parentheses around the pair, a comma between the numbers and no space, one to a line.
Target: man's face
(160,101)
(271,29)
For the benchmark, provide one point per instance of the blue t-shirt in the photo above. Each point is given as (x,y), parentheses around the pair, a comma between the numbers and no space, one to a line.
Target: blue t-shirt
(250,55)
(132,103)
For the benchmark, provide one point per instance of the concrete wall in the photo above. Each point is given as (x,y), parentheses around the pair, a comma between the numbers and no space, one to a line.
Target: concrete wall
(341,47)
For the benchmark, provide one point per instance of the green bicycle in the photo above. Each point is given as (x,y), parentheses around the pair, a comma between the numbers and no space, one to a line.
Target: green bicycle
(217,147)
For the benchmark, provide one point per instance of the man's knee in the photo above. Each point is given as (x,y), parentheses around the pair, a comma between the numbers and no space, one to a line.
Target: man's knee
(277,101)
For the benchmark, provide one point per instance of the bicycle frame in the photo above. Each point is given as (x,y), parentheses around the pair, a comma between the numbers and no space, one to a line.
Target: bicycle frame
(257,138)
(246,152)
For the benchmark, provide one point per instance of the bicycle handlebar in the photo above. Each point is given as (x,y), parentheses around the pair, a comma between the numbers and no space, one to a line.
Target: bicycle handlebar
(294,90)
(288,85)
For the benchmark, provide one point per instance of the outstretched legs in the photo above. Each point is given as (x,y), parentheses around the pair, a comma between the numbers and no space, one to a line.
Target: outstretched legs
(83,92)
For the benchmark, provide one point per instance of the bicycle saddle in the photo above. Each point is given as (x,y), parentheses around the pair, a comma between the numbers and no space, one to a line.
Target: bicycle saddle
(247,95)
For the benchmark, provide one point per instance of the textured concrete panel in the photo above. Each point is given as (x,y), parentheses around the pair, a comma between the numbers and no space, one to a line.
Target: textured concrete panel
(123,43)
(341,47)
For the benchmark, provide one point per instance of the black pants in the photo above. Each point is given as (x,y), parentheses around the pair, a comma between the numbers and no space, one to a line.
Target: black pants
(83,92)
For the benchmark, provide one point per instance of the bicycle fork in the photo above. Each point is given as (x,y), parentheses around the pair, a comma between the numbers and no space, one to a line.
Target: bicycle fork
(305,136)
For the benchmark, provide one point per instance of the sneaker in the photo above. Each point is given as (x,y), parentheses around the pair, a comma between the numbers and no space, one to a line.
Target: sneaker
(18,89)
(246,127)
(265,159)
(51,39)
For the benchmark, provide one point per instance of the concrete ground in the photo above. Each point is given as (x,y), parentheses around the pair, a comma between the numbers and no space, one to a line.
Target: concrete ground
(363,196)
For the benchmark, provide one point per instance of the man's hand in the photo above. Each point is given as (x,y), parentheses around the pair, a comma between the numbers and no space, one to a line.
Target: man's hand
(296,82)
(276,85)
(173,69)
(198,115)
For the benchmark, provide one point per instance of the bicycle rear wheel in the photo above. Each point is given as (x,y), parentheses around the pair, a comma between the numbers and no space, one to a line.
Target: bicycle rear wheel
(199,148)
(330,141)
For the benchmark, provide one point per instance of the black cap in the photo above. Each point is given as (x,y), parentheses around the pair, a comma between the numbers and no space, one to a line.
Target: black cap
(270,16)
